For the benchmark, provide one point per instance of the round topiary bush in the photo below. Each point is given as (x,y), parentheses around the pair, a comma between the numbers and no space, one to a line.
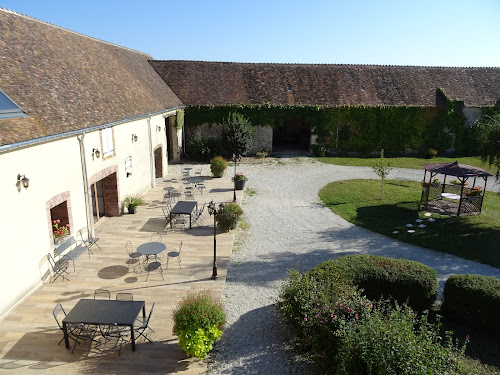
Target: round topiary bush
(473,299)
(198,321)
(217,166)
(400,279)
(228,216)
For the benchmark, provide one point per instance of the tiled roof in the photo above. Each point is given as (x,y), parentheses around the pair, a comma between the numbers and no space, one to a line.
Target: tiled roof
(217,83)
(64,80)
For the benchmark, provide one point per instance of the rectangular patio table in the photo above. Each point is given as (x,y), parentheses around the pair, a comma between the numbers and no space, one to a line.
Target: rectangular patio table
(104,312)
(183,208)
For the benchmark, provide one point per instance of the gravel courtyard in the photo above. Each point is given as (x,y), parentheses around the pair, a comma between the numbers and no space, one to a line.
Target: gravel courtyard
(289,227)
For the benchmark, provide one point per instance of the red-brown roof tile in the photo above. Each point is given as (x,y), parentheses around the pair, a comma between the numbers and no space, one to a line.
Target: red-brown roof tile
(64,80)
(218,83)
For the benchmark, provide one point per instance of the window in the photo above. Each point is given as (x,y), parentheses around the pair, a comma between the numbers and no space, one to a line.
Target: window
(128,163)
(107,142)
(128,166)
(9,109)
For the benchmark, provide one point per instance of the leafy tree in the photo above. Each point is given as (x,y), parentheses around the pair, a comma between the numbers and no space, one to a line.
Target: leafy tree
(382,169)
(237,134)
(489,136)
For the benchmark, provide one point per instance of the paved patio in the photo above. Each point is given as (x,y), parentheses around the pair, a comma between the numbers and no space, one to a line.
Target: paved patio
(29,333)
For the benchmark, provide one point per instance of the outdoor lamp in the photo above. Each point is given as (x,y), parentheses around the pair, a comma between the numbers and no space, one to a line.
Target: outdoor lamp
(213,212)
(236,158)
(96,152)
(134,137)
(25,181)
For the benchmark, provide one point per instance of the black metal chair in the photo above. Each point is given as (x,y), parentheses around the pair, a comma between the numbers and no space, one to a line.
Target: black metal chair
(153,266)
(85,333)
(89,241)
(156,237)
(144,325)
(124,296)
(133,256)
(58,269)
(102,294)
(198,216)
(175,254)
(69,327)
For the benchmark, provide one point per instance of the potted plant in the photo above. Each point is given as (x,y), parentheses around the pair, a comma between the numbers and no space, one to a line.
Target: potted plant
(474,193)
(198,321)
(228,216)
(239,181)
(263,154)
(217,166)
(435,182)
(131,202)
(431,153)
(457,182)
(60,232)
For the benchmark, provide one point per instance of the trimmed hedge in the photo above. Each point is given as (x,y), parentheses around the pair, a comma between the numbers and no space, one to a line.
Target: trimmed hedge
(378,276)
(473,299)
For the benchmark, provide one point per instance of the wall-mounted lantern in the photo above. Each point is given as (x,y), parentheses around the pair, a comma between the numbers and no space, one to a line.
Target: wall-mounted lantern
(23,180)
(96,153)
(134,138)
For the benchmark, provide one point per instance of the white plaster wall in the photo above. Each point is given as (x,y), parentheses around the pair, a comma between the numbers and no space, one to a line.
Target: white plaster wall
(54,168)
(25,238)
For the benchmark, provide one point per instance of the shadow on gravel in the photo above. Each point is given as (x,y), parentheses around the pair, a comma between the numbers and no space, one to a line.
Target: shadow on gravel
(262,350)
(335,242)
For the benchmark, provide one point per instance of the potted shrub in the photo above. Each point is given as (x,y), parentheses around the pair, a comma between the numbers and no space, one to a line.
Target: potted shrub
(474,193)
(431,153)
(198,321)
(228,216)
(239,181)
(217,166)
(131,202)
(263,154)
(435,182)
(457,184)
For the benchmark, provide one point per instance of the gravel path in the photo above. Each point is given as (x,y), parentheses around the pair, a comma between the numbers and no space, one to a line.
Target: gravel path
(291,228)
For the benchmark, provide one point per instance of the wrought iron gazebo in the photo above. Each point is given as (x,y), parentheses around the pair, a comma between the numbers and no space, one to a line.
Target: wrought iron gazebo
(453,197)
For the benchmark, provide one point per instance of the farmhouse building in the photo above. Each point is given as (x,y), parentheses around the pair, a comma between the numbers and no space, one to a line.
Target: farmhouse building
(199,83)
(85,123)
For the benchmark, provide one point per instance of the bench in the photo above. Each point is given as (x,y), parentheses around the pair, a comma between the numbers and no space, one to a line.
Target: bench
(73,249)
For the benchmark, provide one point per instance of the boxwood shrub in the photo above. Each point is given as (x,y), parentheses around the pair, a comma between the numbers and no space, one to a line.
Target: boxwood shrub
(402,279)
(473,299)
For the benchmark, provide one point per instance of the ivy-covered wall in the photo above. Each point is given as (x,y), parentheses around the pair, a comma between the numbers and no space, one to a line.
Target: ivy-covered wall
(359,129)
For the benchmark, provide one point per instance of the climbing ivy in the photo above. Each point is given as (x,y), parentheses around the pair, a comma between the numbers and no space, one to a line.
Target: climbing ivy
(179,119)
(361,129)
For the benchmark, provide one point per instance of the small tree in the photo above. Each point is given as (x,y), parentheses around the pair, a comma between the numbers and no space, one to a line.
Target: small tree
(489,136)
(382,169)
(237,134)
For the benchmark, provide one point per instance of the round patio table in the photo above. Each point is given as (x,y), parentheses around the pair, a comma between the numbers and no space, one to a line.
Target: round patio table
(151,248)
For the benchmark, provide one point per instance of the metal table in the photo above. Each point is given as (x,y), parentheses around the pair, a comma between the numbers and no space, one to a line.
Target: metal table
(104,312)
(151,248)
(183,208)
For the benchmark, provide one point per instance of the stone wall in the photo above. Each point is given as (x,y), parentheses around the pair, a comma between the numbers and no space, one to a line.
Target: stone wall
(262,139)
(472,115)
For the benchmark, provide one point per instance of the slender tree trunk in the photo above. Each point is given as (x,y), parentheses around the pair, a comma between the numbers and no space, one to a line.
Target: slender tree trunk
(382,188)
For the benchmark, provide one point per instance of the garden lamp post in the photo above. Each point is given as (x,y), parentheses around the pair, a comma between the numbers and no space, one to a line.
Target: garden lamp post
(213,212)
(236,158)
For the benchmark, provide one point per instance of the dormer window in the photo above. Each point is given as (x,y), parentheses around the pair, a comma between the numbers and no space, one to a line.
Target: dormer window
(9,109)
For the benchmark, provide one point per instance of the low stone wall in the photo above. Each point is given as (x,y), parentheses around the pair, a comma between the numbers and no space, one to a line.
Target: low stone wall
(262,139)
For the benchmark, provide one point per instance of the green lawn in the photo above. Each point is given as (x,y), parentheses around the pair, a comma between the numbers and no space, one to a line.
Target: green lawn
(473,237)
(415,163)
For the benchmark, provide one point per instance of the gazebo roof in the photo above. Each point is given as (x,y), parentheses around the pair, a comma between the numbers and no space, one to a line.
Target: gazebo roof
(456,169)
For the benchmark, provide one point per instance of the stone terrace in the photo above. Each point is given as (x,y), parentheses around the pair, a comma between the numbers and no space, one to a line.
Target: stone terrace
(29,333)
